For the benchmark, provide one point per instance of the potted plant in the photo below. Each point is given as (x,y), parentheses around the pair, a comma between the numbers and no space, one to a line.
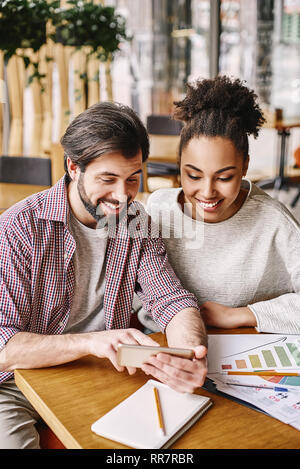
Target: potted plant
(23,26)
(94,27)
(90,24)
(26,26)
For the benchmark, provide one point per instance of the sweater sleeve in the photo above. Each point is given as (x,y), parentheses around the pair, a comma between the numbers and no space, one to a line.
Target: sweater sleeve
(282,314)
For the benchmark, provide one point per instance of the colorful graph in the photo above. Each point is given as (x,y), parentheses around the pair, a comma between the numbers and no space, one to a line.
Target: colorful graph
(282,353)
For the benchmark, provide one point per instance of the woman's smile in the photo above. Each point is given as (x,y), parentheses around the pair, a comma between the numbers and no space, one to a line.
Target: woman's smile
(209,206)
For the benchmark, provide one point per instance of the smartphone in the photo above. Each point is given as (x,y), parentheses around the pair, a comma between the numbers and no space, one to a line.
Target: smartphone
(136,355)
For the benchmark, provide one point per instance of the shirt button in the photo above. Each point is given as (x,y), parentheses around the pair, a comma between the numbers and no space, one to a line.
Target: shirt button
(60,323)
(65,256)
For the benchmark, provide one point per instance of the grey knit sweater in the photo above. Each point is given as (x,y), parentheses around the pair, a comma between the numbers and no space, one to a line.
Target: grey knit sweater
(251,259)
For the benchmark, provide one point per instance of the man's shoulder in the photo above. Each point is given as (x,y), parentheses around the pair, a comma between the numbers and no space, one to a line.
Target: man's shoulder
(138,211)
(28,208)
(136,208)
(48,204)
(141,225)
(18,224)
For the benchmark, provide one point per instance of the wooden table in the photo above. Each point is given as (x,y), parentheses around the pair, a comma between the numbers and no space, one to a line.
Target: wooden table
(71,397)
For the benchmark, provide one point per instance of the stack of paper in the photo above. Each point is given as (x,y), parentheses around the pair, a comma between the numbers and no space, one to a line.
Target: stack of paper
(236,364)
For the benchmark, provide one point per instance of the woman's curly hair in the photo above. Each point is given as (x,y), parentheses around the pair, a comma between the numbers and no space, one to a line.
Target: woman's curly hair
(220,107)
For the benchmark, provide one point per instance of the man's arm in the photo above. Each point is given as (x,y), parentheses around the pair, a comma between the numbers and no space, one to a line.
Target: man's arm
(157,285)
(174,309)
(29,350)
(186,329)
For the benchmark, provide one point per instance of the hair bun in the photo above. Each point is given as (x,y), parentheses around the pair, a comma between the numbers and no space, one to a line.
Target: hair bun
(227,96)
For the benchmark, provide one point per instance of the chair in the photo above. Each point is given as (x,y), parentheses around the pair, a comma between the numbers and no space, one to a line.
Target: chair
(21,176)
(296,199)
(48,439)
(282,180)
(297,165)
(164,140)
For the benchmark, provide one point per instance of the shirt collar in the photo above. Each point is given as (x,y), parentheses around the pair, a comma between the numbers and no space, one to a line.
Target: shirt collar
(56,205)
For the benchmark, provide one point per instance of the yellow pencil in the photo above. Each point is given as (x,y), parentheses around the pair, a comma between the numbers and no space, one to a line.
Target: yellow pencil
(159,412)
(262,373)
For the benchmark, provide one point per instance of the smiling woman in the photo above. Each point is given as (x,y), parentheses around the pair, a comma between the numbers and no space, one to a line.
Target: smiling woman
(231,244)
(219,115)
(215,191)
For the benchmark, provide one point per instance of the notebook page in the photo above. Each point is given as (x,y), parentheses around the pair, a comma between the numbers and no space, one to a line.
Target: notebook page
(134,421)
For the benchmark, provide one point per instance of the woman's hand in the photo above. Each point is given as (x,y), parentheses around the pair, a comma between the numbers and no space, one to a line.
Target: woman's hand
(226,317)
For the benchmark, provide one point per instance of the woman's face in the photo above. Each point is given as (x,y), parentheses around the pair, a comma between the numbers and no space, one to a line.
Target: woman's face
(211,174)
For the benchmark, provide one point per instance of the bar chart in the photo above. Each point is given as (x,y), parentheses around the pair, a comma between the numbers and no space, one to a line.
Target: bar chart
(283,353)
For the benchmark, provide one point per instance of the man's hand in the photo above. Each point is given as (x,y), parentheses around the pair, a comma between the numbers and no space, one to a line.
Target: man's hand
(28,350)
(104,344)
(181,374)
(217,315)
(185,330)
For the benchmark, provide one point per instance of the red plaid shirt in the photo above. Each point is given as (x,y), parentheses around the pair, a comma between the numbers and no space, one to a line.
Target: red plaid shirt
(37,272)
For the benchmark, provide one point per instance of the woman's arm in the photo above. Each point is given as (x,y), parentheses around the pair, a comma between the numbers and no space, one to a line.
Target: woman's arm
(218,315)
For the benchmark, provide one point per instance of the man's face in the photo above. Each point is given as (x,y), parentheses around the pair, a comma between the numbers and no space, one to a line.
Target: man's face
(108,185)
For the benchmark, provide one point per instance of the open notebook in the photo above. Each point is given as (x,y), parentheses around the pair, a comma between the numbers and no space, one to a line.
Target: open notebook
(134,421)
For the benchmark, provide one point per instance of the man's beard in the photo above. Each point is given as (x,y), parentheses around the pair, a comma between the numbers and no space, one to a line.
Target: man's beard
(96,211)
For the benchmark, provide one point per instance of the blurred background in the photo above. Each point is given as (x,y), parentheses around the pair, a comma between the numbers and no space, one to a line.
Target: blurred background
(176,41)
(168,43)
